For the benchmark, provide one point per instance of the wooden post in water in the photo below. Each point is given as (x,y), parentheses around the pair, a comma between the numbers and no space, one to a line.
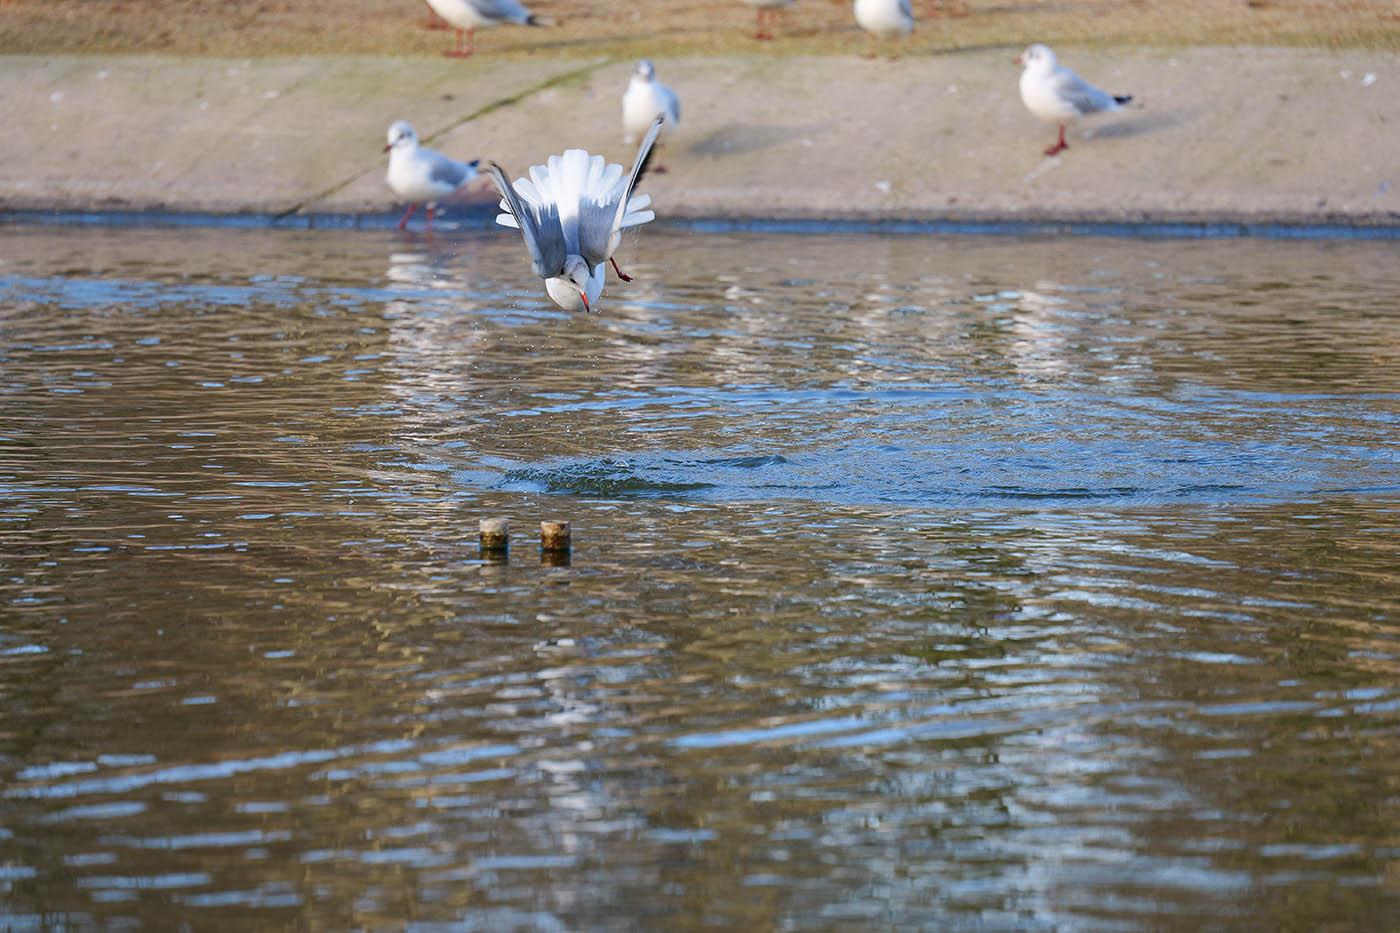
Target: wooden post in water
(554,536)
(494,537)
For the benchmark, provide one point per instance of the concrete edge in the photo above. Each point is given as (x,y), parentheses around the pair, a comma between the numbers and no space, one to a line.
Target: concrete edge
(1380,226)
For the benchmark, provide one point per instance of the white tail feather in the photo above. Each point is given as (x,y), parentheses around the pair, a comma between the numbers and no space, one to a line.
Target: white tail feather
(540,182)
(637,213)
(568,178)
(596,170)
(526,190)
(606,184)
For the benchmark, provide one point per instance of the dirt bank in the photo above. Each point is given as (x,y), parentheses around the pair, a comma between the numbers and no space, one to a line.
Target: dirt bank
(673,28)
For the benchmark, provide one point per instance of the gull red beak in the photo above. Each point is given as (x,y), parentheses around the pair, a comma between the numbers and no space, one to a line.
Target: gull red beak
(584,296)
(387,146)
(1016,60)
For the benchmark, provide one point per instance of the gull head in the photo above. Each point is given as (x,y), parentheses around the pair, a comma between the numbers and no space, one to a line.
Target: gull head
(401,135)
(1037,57)
(579,286)
(645,70)
(577,289)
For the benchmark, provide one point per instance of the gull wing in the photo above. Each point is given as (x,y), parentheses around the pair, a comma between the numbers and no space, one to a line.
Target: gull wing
(501,10)
(443,170)
(601,223)
(1080,94)
(673,105)
(538,224)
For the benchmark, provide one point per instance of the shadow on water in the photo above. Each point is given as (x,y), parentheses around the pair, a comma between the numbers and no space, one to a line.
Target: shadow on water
(915,582)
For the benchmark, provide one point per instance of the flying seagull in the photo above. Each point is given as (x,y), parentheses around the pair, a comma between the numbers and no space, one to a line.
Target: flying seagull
(571,212)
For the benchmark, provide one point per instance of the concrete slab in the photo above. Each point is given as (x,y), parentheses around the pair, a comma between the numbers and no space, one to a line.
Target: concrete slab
(261,135)
(1220,133)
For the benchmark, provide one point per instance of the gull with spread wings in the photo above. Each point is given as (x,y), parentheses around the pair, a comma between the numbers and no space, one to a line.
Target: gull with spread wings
(571,212)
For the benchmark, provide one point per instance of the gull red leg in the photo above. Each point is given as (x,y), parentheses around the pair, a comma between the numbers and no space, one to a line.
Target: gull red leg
(407,214)
(1060,145)
(620,274)
(761,33)
(431,209)
(459,51)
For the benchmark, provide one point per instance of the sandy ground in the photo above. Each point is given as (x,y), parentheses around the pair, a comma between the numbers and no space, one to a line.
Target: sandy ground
(1221,134)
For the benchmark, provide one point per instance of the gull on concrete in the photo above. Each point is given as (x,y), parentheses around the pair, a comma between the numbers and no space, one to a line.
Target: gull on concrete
(422,175)
(770,7)
(1054,93)
(884,19)
(645,99)
(466,16)
(571,212)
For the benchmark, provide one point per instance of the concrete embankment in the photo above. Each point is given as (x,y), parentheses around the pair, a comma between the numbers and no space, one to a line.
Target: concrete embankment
(1228,134)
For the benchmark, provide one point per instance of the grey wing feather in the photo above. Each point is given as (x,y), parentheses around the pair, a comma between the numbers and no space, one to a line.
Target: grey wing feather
(501,10)
(595,229)
(639,165)
(450,171)
(598,222)
(1081,95)
(906,9)
(543,236)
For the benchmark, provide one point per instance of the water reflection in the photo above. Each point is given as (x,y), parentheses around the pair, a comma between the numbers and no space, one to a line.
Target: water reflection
(915,582)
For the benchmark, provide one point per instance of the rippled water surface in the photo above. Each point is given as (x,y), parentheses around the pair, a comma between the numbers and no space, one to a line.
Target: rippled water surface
(916,582)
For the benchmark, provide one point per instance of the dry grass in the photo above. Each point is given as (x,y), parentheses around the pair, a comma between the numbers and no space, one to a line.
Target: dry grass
(243,28)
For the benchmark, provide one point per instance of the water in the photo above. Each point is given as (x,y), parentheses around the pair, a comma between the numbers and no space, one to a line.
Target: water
(917,582)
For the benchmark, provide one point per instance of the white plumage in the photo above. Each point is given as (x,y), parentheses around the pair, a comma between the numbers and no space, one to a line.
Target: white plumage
(1054,93)
(645,99)
(885,19)
(421,175)
(571,212)
(469,15)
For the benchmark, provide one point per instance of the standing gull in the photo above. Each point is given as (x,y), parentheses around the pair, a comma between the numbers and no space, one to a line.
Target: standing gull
(571,212)
(1054,93)
(769,7)
(646,99)
(422,175)
(467,15)
(884,19)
